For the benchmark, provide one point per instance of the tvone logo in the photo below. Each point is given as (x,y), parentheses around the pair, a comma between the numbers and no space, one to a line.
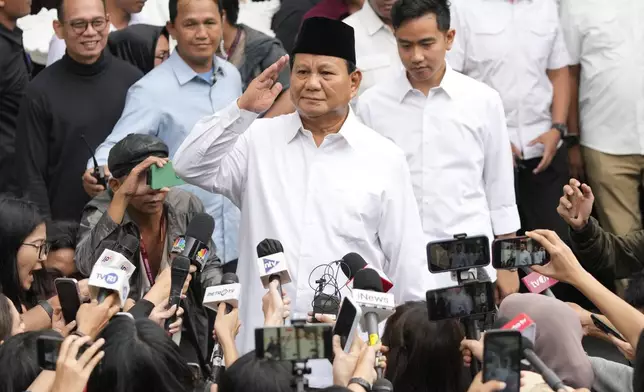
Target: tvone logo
(269,264)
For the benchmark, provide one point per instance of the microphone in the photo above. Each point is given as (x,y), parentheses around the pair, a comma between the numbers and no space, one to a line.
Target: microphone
(376,305)
(382,385)
(323,301)
(112,271)
(194,245)
(227,292)
(537,283)
(179,273)
(352,263)
(271,263)
(121,255)
(522,323)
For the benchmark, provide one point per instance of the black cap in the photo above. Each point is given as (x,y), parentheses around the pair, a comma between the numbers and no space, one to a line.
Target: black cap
(132,150)
(367,279)
(326,37)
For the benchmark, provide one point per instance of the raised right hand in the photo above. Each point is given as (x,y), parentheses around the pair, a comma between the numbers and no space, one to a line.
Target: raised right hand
(576,204)
(264,89)
(135,184)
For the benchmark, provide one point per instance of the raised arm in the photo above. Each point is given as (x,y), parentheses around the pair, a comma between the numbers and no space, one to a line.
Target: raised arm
(214,155)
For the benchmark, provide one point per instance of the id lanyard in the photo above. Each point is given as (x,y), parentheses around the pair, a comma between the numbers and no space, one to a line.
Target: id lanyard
(146,259)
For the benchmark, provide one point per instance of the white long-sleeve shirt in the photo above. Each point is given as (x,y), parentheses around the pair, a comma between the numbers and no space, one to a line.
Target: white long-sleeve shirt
(353,193)
(458,152)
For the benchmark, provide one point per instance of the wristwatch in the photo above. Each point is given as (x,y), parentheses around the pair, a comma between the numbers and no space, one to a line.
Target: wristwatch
(569,140)
(362,382)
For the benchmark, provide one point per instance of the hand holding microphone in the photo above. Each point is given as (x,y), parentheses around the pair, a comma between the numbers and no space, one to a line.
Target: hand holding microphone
(161,313)
(92,317)
(275,306)
(227,324)
(271,263)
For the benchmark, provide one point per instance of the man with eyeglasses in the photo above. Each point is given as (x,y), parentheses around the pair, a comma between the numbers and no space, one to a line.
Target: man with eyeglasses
(69,106)
(192,84)
(122,13)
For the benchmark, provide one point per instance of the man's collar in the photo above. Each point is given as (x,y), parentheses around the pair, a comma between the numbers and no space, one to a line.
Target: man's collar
(448,84)
(14,36)
(184,73)
(371,21)
(347,131)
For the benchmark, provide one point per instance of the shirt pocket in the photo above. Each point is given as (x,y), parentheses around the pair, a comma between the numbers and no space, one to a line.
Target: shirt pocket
(489,42)
(540,42)
(604,33)
(357,212)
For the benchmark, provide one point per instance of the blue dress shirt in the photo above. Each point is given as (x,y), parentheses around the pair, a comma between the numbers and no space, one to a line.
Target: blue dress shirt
(167,103)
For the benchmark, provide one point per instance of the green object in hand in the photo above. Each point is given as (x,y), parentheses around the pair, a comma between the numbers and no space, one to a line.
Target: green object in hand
(161,177)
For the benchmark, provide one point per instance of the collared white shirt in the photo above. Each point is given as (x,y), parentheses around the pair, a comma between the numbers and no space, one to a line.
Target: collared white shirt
(509,45)
(353,193)
(457,148)
(376,47)
(606,38)
(57,46)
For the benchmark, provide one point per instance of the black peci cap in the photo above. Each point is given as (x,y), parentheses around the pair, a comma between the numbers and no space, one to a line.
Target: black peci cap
(326,37)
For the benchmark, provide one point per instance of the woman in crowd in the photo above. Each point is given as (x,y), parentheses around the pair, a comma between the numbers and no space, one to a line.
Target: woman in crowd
(10,322)
(252,52)
(412,340)
(144,46)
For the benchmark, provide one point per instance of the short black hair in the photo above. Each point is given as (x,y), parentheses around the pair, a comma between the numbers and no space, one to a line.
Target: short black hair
(252,374)
(62,235)
(173,6)
(232,10)
(405,10)
(634,293)
(61,15)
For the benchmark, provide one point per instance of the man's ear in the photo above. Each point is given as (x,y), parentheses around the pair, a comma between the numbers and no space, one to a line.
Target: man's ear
(171,30)
(58,28)
(2,5)
(114,184)
(449,36)
(356,79)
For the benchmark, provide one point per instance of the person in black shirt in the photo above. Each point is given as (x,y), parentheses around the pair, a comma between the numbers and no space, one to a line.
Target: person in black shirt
(287,20)
(14,76)
(80,96)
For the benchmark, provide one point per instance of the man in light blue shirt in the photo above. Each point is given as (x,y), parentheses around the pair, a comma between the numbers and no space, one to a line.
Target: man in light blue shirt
(169,101)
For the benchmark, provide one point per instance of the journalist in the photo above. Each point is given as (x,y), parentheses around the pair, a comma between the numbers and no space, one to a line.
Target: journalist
(598,250)
(156,217)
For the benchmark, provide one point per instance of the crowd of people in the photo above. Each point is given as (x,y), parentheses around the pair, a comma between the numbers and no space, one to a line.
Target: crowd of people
(368,126)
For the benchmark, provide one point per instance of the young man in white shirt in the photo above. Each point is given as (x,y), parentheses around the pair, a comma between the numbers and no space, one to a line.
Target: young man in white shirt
(376,50)
(517,48)
(452,129)
(317,180)
(604,40)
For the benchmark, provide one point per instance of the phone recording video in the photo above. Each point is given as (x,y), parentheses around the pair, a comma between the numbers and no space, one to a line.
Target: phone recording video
(502,358)
(518,252)
(294,343)
(69,297)
(471,299)
(347,322)
(458,254)
(48,348)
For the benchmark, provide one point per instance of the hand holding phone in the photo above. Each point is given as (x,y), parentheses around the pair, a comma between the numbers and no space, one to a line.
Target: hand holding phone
(502,358)
(347,322)
(163,177)
(513,253)
(606,328)
(69,297)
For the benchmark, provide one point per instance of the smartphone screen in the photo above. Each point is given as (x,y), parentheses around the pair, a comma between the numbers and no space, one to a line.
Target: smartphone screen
(48,347)
(294,343)
(458,254)
(346,322)
(461,301)
(69,297)
(502,358)
(518,252)
(606,328)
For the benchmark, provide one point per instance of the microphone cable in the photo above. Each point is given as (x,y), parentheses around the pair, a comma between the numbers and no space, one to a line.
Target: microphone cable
(329,278)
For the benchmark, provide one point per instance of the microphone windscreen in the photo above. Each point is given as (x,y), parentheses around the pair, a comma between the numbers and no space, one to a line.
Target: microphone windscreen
(500,322)
(181,263)
(128,246)
(229,278)
(352,263)
(201,227)
(269,247)
(382,385)
(367,279)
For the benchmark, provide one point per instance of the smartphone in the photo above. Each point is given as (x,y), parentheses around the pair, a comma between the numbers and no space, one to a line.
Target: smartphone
(502,358)
(294,343)
(458,254)
(512,253)
(48,348)
(347,322)
(475,298)
(606,328)
(161,177)
(69,297)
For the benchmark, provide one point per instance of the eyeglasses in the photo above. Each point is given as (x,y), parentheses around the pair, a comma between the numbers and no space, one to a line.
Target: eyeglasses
(79,26)
(43,249)
(163,55)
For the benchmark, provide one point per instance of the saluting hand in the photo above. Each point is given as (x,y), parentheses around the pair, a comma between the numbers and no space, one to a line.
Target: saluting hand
(264,89)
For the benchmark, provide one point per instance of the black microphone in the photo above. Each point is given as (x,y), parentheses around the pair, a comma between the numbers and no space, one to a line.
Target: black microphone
(197,237)
(382,385)
(352,262)
(553,381)
(217,356)
(376,305)
(128,246)
(179,273)
(272,263)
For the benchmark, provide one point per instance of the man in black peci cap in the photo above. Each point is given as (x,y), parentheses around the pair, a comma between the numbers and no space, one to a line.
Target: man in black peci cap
(156,217)
(317,180)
